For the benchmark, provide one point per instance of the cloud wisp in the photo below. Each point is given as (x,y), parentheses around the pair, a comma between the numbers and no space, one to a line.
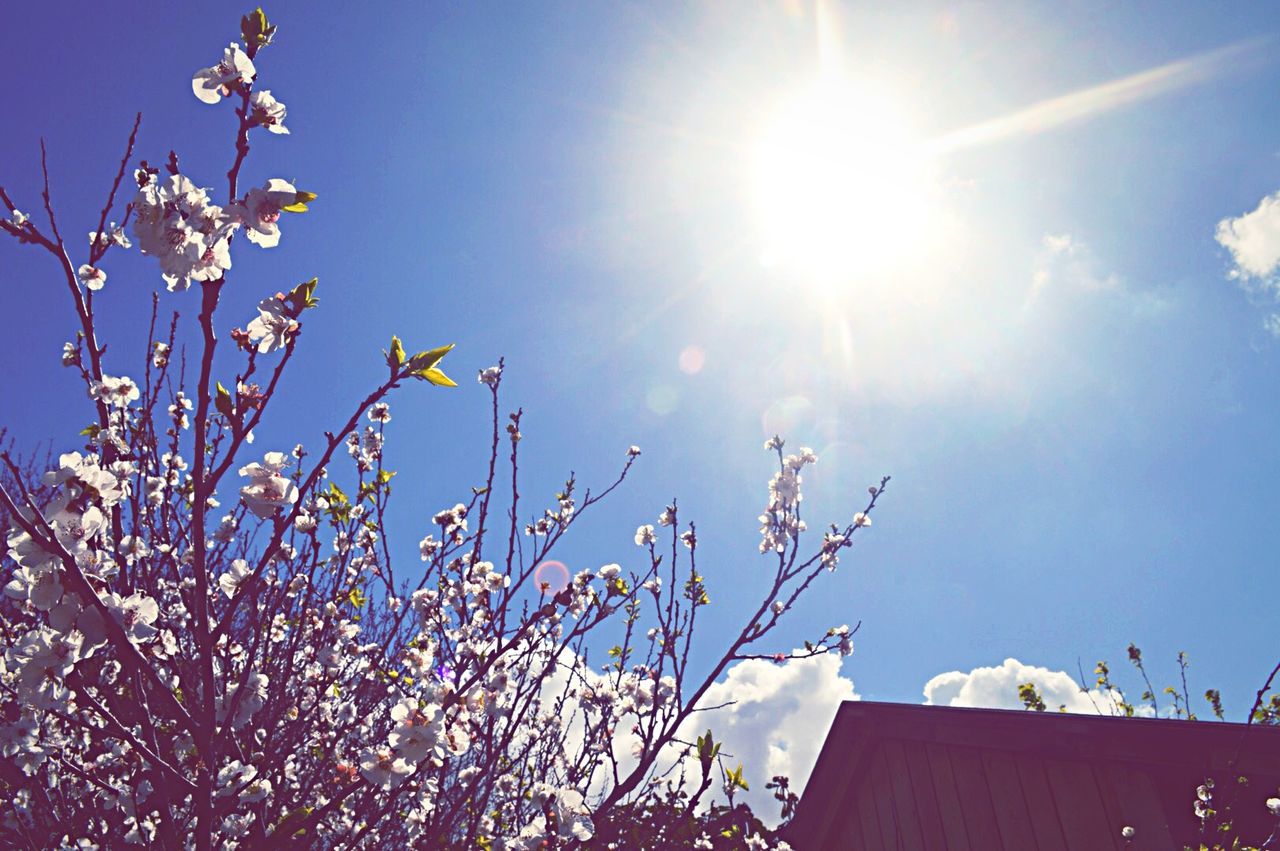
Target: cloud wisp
(1065,261)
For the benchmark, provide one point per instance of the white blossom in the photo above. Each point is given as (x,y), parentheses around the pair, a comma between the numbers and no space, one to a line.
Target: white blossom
(231,581)
(42,587)
(113,235)
(573,819)
(266,111)
(260,210)
(418,730)
(268,490)
(91,277)
(383,768)
(212,84)
(117,392)
(273,326)
(253,699)
(136,613)
(175,222)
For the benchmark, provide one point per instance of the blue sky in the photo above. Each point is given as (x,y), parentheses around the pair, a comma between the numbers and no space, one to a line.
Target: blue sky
(1078,407)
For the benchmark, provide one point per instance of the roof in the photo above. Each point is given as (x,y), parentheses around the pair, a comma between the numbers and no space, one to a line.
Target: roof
(898,776)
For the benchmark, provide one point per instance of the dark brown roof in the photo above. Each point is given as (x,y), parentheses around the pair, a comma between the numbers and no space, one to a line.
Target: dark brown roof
(897,776)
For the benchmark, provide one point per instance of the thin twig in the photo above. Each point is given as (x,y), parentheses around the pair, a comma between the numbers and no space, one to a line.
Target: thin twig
(100,244)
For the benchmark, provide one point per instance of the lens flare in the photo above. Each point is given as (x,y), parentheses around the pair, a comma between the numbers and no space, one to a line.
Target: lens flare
(662,399)
(550,577)
(692,359)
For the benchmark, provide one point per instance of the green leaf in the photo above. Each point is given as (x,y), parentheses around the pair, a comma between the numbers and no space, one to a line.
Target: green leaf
(256,30)
(423,366)
(423,361)
(300,201)
(708,749)
(339,503)
(302,297)
(395,357)
(222,402)
(436,377)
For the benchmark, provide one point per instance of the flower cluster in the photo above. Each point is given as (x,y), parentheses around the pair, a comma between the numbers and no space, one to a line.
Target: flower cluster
(175,222)
(115,392)
(780,523)
(268,490)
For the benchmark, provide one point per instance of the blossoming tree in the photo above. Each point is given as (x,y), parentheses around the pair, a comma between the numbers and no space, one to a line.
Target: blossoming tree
(184,668)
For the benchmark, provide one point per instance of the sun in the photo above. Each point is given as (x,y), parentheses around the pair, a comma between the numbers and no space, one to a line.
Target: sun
(842,184)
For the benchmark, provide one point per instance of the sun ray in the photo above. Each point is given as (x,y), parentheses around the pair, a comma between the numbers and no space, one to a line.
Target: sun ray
(1095,100)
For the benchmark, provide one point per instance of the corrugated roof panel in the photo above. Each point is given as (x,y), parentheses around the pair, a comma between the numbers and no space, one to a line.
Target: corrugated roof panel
(894,776)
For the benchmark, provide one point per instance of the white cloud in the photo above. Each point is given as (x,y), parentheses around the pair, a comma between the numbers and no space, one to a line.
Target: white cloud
(997,688)
(777,723)
(1254,241)
(773,718)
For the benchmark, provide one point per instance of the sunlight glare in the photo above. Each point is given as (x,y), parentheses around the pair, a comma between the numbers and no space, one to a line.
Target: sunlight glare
(842,184)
